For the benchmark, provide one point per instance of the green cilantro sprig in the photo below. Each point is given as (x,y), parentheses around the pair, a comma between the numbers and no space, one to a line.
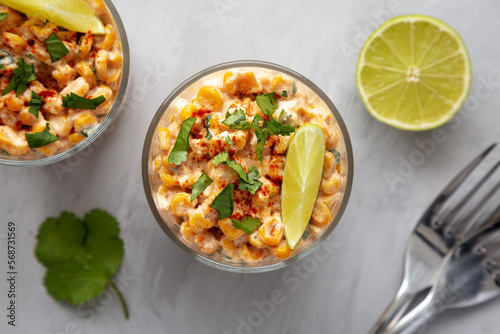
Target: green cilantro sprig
(3,16)
(39,139)
(35,103)
(229,140)
(247,224)
(223,203)
(268,104)
(75,101)
(200,185)
(23,75)
(56,48)
(237,120)
(81,255)
(207,125)
(336,154)
(180,150)
(248,181)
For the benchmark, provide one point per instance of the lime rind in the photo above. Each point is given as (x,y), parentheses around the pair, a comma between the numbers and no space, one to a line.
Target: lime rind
(456,105)
(74,15)
(301,181)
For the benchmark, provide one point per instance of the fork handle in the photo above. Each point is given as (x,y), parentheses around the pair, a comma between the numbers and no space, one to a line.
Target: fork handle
(395,310)
(417,319)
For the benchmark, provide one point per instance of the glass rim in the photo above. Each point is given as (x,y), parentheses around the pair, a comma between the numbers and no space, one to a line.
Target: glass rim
(120,95)
(147,147)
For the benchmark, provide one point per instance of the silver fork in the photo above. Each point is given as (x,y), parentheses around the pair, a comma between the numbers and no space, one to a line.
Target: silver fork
(470,275)
(438,231)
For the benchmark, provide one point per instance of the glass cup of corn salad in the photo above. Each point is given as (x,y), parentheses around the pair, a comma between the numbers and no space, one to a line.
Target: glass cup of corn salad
(201,154)
(45,121)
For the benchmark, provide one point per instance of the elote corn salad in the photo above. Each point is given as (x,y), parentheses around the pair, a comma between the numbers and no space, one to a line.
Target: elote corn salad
(219,161)
(56,85)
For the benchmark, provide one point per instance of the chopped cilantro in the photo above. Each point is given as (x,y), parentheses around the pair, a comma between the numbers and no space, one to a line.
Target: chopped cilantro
(223,203)
(229,141)
(237,120)
(56,48)
(253,184)
(247,224)
(39,139)
(35,103)
(23,75)
(4,152)
(81,255)
(3,16)
(180,151)
(336,154)
(200,185)
(267,103)
(75,101)
(248,181)
(284,93)
(207,125)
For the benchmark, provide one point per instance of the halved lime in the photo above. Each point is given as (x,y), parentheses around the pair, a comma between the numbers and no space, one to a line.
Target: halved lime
(301,180)
(73,15)
(414,73)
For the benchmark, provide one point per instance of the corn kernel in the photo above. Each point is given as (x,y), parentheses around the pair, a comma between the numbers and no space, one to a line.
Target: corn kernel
(250,253)
(75,138)
(209,97)
(167,178)
(229,84)
(187,111)
(164,135)
(282,251)
(85,119)
(39,127)
(248,83)
(181,204)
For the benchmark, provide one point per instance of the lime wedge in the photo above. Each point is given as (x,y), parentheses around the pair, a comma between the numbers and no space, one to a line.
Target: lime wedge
(73,15)
(301,179)
(414,73)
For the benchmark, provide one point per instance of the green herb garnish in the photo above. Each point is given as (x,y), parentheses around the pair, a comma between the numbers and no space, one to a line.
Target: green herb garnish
(229,141)
(4,152)
(237,120)
(56,48)
(39,139)
(80,255)
(207,125)
(75,101)
(35,103)
(200,185)
(284,93)
(247,224)
(223,203)
(248,181)
(267,103)
(23,75)
(180,151)
(3,16)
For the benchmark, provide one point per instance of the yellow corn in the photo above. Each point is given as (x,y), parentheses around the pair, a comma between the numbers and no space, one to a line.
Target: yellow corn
(229,84)
(187,231)
(227,246)
(250,253)
(85,119)
(181,204)
(16,42)
(167,177)
(277,83)
(209,97)
(187,111)
(231,232)
(75,138)
(271,231)
(282,251)
(321,215)
(248,83)
(164,135)
(39,127)
(256,240)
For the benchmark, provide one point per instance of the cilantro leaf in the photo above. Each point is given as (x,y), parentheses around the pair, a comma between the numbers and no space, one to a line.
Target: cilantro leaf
(253,184)
(224,158)
(237,120)
(39,139)
(247,224)
(23,75)
(80,255)
(223,203)
(35,103)
(3,16)
(180,151)
(267,103)
(336,154)
(75,101)
(229,141)
(264,134)
(284,93)
(207,125)
(4,152)
(56,48)
(200,185)
(276,128)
